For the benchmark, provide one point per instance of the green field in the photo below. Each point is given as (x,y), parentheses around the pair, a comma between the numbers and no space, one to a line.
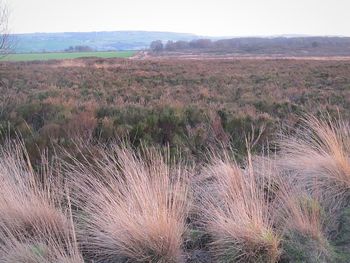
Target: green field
(66,55)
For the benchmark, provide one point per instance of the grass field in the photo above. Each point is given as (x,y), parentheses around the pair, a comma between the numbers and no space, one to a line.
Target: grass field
(66,55)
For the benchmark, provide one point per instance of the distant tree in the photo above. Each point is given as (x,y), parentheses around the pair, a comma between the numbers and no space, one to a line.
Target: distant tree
(79,49)
(70,49)
(7,100)
(170,46)
(84,49)
(201,43)
(182,45)
(157,46)
(5,43)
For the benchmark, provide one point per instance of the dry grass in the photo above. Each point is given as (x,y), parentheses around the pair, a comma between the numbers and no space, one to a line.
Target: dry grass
(299,215)
(31,212)
(320,155)
(43,248)
(133,207)
(302,219)
(295,207)
(237,215)
(299,210)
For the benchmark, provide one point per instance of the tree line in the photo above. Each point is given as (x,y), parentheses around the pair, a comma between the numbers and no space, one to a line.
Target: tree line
(257,44)
(79,49)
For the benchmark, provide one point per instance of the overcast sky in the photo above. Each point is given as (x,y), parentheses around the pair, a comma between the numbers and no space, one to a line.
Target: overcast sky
(203,17)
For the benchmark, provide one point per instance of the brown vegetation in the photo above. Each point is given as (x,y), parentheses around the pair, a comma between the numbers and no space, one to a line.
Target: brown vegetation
(320,153)
(34,224)
(132,208)
(236,213)
(187,104)
(137,206)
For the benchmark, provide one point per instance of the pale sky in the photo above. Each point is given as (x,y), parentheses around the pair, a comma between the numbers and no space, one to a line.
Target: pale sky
(202,17)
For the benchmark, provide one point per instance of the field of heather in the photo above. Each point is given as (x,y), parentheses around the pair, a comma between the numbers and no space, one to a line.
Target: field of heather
(174,160)
(186,104)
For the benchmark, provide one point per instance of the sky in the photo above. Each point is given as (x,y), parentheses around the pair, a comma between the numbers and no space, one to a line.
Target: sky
(206,17)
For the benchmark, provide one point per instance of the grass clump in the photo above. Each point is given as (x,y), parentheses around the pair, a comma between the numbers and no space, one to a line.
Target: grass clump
(319,153)
(302,219)
(34,224)
(133,206)
(237,215)
(39,249)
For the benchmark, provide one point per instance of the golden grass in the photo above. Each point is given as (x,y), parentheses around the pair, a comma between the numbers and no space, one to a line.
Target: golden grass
(31,212)
(302,218)
(133,207)
(43,248)
(236,214)
(299,210)
(320,153)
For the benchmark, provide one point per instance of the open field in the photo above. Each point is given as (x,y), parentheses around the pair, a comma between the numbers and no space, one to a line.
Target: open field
(67,55)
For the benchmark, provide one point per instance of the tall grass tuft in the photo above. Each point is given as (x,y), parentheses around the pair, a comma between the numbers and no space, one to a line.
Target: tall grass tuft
(236,213)
(320,154)
(31,212)
(133,206)
(16,247)
(302,219)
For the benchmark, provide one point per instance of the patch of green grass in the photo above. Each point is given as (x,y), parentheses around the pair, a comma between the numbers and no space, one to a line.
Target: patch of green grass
(67,55)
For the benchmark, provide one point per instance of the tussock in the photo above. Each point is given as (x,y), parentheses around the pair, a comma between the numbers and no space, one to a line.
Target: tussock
(303,221)
(43,248)
(237,215)
(31,214)
(319,153)
(133,206)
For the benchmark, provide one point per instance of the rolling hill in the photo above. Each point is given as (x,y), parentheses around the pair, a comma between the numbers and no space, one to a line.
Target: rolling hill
(100,41)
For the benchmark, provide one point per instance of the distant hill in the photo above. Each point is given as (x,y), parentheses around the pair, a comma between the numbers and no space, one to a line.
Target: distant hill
(101,41)
(136,40)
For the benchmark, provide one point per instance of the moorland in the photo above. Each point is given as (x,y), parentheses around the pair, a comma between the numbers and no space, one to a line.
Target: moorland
(188,104)
(171,159)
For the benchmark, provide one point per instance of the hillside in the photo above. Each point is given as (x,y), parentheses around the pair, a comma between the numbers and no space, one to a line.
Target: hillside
(101,41)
